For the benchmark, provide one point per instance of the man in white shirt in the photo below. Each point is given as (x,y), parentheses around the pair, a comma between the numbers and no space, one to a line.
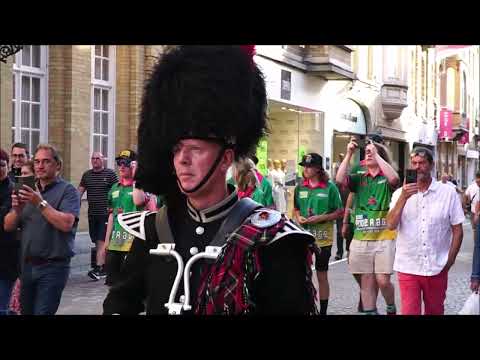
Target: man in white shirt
(471,197)
(428,216)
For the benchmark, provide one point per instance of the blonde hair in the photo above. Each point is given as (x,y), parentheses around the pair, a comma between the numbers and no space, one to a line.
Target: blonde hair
(244,173)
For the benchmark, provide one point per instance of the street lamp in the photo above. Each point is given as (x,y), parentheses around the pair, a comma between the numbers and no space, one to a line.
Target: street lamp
(7,50)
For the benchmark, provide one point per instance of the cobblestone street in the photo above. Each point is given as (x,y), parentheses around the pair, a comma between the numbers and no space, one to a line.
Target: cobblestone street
(83,296)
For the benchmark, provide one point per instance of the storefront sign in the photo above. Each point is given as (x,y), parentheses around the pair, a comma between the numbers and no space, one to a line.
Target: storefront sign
(348,117)
(472,154)
(446,123)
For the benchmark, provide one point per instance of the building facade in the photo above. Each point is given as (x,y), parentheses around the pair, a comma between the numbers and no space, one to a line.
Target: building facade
(80,98)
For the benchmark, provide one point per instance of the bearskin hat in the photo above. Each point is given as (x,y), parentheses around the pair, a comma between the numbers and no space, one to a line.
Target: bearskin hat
(204,92)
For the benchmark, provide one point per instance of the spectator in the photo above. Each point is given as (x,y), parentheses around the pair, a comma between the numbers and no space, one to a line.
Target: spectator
(247,181)
(9,247)
(122,198)
(97,182)
(373,246)
(19,155)
(470,200)
(263,268)
(475,277)
(428,216)
(48,217)
(26,170)
(317,205)
(265,185)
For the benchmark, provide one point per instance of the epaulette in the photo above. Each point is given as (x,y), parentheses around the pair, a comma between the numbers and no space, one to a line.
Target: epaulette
(291,228)
(134,222)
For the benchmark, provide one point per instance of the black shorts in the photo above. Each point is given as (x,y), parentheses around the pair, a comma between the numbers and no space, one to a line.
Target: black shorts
(114,262)
(97,226)
(322,257)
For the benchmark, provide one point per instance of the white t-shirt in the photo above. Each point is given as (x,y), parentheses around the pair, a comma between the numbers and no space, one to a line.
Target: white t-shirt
(472,193)
(424,233)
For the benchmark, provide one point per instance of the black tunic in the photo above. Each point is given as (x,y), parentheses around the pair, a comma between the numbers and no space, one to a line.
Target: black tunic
(147,279)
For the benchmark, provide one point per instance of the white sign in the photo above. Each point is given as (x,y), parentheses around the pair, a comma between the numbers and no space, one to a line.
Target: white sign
(348,117)
(472,154)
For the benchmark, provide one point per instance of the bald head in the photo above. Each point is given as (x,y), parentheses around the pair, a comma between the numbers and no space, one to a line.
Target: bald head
(97,161)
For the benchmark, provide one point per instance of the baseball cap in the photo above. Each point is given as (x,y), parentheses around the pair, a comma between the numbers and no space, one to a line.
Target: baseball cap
(312,159)
(127,154)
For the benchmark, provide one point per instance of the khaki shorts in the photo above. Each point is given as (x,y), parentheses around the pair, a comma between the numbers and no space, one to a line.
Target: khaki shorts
(371,256)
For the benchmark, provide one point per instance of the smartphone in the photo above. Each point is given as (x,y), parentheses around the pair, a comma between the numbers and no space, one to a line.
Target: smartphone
(24,180)
(411,176)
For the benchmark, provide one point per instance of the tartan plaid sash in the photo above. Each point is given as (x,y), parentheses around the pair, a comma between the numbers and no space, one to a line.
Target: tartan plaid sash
(225,285)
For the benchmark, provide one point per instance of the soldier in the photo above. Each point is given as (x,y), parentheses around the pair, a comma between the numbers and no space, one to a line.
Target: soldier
(205,106)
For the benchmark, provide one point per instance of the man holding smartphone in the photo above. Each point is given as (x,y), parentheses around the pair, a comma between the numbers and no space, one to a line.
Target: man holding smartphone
(19,156)
(373,246)
(428,217)
(48,217)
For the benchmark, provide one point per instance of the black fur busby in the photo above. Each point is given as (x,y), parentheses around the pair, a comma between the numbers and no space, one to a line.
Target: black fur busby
(206,92)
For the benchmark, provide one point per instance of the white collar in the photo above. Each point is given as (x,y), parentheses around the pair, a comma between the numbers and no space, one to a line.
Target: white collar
(215,212)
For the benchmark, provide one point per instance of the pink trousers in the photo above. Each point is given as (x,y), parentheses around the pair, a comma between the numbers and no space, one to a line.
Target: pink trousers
(414,288)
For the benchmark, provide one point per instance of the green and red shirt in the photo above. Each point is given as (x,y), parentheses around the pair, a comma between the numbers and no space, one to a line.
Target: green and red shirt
(371,205)
(120,200)
(319,200)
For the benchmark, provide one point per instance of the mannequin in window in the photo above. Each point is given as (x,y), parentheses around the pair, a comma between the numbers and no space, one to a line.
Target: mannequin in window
(278,185)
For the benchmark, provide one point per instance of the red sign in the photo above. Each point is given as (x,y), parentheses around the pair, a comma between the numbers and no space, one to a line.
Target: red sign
(446,123)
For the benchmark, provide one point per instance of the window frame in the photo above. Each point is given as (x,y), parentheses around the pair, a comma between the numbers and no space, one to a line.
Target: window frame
(110,86)
(19,70)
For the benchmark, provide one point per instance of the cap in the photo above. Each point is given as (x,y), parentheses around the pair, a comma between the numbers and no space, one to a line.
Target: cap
(312,159)
(127,154)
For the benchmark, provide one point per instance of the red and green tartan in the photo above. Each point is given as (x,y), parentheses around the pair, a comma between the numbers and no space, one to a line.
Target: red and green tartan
(225,284)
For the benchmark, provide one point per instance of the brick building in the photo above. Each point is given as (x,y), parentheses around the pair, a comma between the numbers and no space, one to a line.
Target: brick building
(80,98)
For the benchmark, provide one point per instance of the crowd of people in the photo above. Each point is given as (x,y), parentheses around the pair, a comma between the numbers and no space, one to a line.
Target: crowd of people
(220,224)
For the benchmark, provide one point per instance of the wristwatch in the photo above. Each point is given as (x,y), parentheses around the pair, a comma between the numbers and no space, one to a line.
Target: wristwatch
(43,204)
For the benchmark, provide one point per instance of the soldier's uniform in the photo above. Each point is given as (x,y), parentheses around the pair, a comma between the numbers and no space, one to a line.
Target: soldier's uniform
(262,262)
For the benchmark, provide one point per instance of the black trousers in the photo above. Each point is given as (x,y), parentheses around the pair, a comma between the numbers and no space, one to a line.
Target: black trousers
(348,238)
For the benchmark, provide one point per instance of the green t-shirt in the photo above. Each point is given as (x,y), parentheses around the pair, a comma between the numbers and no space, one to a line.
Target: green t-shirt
(358,168)
(266,188)
(120,200)
(371,205)
(318,201)
(258,196)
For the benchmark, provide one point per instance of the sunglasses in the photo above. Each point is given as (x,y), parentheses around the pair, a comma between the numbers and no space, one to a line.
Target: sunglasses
(423,154)
(124,162)
(3,163)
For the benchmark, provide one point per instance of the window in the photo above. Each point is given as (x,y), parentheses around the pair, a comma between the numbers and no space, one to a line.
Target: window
(29,97)
(103,95)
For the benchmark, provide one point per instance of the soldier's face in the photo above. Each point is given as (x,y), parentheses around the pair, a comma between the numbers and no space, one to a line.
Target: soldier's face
(193,158)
